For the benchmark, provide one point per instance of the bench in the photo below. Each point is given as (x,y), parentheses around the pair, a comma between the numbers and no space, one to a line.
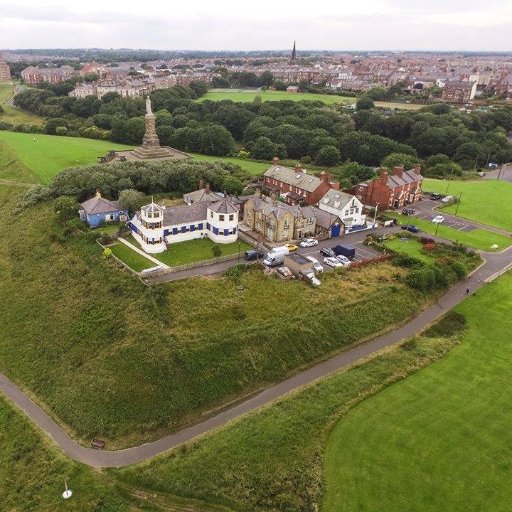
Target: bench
(99,444)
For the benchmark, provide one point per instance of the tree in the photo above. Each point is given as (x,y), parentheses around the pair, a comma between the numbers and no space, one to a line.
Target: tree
(364,103)
(216,251)
(280,85)
(66,208)
(199,88)
(51,125)
(266,79)
(393,159)
(216,140)
(328,156)
(232,185)
(263,148)
(131,200)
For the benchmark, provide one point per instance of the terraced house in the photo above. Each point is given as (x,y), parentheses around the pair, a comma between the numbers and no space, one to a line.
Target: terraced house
(297,186)
(280,222)
(391,190)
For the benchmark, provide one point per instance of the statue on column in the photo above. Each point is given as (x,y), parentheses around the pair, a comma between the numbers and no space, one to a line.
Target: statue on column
(148,106)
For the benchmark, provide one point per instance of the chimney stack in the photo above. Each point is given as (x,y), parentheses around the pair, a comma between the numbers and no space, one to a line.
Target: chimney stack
(298,168)
(417,168)
(398,170)
(257,192)
(98,193)
(326,178)
(275,160)
(207,188)
(383,176)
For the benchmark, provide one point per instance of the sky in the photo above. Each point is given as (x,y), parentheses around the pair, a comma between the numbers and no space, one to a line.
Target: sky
(258,25)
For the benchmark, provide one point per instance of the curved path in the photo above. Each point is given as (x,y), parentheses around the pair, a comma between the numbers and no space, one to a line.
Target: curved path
(494,265)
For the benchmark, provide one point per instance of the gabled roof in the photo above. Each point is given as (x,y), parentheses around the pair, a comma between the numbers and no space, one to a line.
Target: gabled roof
(336,199)
(184,213)
(98,204)
(324,219)
(301,180)
(203,194)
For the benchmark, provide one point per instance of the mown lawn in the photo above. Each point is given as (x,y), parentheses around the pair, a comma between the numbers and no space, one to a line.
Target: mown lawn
(252,167)
(245,96)
(133,259)
(11,168)
(441,439)
(410,247)
(15,115)
(128,363)
(47,155)
(192,251)
(477,238)
(486,201)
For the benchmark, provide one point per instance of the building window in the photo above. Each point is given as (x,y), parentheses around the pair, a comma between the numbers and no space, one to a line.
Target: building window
(221,218)
(231,218)
(211,215)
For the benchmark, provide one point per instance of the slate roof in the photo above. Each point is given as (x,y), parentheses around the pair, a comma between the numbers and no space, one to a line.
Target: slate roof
(184,213)
(203,194)
(336,199)
(268,207)
(324,219)
(303,180)
(98,204)
(395,181)
(223,206)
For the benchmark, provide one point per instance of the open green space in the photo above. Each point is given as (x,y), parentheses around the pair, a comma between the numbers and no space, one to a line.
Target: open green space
(486,201)
(133,259)
(411,247)
(11,168)
(476,238)
(47,155)
(250,95)
(128,363)
(14,115)
(252,167)
(441,439)
(6,91)
(191,251)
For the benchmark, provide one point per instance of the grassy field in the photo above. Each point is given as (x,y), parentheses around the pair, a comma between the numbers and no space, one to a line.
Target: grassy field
(15,115)
(11,168)
(486,201)
(245,96)
(410,247)
(477,238)
(195,250)
(441,439)
(47,155)
(273,459)
(133,259)
(252,167)
(128,363)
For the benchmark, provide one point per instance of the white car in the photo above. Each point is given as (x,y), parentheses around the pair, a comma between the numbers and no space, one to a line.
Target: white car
(308,242)
(332,262)
(343,260)
(438,219)
(317,267)
(311,279)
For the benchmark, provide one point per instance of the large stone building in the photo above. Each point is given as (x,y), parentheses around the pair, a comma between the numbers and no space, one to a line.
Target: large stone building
(5,71)
(456,91)
(391,190)
(280,222)
(297,186)
(345,206)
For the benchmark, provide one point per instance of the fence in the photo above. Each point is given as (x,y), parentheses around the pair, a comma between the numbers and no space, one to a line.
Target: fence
(378,259)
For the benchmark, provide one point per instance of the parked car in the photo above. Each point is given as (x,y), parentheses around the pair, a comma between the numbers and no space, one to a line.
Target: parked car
(291,247)
(308,242)
(343,260)
(411,228)
(408,211)
(326,251)
(332,262)
(285,272)
(435,197)
(493,166)
(382,238)
(317,267)
(446,199)
(438,219)
(253,254)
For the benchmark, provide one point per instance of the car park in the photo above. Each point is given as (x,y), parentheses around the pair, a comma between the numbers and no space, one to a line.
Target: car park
(411,228)
(291,247)
(317,266)
(309,242)
(311,279)
(446,199)
(326,251)
(285,272)
(435,197)
(408,211)
(347,250)
(438,219)
(332,262)
(343,260)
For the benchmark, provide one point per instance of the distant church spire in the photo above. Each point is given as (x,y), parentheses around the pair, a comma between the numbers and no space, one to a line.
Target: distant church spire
(294,52)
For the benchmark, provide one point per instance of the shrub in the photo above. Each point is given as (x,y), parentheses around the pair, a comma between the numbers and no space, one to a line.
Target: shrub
(429,247)
(107,253)
(426,240)
(461,271)
(402,260)
(61,130)
(34,195)
(448,325)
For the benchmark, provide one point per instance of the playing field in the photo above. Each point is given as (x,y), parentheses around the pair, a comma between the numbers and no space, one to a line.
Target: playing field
(440,439)
(244,96)
(486,201)
(47,155)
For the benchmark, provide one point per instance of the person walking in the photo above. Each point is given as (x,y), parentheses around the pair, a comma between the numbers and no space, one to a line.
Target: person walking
(467,291)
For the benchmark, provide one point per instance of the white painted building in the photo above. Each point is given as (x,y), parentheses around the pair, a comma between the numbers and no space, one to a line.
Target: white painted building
(346,206)
(156,227)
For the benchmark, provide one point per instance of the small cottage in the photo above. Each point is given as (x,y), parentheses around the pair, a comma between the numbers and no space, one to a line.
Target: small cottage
(98,210)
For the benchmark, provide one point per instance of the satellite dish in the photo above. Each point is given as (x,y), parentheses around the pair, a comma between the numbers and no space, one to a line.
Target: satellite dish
(68,492)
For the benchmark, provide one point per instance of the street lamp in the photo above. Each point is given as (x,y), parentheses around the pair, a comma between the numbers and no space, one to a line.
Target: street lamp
(375,214)
(458,203)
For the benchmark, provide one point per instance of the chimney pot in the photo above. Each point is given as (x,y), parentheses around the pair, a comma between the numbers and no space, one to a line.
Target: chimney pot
(275,160)
(398,170)
(207,188)
(417,168)
(298,168)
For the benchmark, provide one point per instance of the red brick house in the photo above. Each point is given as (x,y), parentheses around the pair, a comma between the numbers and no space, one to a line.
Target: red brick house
(391,190)
(297,186)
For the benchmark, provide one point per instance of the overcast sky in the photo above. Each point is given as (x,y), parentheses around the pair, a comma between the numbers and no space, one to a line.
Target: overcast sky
(258,25)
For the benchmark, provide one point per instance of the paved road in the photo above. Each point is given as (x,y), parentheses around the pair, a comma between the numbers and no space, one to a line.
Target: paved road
(505,173)
(494,264)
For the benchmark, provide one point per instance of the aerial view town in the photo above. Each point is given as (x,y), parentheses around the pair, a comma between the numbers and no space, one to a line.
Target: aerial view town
(255,257)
